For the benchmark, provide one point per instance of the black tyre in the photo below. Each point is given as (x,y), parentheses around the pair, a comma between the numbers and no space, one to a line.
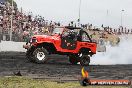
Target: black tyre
(40,55)
(84,60)
(73,59)
(29,54)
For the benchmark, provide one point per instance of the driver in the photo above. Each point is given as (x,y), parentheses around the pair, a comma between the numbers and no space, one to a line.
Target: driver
(71,34)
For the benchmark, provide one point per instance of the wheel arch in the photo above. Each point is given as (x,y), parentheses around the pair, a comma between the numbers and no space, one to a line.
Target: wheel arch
(86,51)
(48,46)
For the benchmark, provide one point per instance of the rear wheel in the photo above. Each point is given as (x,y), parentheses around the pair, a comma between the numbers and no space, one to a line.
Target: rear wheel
(84,60)
(40,55)
(73,59)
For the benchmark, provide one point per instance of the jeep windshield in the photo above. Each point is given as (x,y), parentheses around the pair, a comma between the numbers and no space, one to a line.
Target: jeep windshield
(57,31)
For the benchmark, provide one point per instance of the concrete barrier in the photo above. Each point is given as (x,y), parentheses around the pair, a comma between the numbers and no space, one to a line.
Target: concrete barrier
(6,46)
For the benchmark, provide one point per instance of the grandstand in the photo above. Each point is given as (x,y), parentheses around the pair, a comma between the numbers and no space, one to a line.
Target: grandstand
(25,26)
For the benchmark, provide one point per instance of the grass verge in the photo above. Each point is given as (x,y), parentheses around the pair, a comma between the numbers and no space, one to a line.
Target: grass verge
(22,82)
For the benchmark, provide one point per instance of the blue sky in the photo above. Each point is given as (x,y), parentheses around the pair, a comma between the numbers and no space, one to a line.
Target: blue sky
(97,12)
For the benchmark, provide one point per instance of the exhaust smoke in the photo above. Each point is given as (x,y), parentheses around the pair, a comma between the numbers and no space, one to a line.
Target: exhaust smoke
(120,54)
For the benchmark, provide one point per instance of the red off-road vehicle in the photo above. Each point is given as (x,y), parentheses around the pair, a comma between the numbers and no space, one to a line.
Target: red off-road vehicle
(71,41)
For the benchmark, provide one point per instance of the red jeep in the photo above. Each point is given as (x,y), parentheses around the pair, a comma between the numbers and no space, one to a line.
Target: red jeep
(71,41)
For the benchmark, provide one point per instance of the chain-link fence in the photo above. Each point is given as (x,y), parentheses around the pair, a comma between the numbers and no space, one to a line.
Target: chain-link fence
(5,36)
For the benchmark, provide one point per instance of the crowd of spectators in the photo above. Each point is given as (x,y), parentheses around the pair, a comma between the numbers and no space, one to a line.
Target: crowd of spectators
(26,25)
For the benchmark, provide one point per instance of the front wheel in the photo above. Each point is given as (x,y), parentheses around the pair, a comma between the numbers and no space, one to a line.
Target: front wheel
(40,55)
(84,60)
(29,54)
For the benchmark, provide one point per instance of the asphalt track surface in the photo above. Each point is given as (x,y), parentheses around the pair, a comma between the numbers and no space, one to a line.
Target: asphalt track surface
(58,68)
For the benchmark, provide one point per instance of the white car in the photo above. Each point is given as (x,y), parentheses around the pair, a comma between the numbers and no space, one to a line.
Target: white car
(101,47)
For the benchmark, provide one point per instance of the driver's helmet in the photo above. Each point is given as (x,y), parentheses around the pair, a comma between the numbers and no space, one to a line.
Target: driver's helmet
(71,32)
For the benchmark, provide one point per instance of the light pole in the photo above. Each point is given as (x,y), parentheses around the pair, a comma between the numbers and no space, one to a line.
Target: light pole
(107,18)
(79,12)
(11,21)
(122,18)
